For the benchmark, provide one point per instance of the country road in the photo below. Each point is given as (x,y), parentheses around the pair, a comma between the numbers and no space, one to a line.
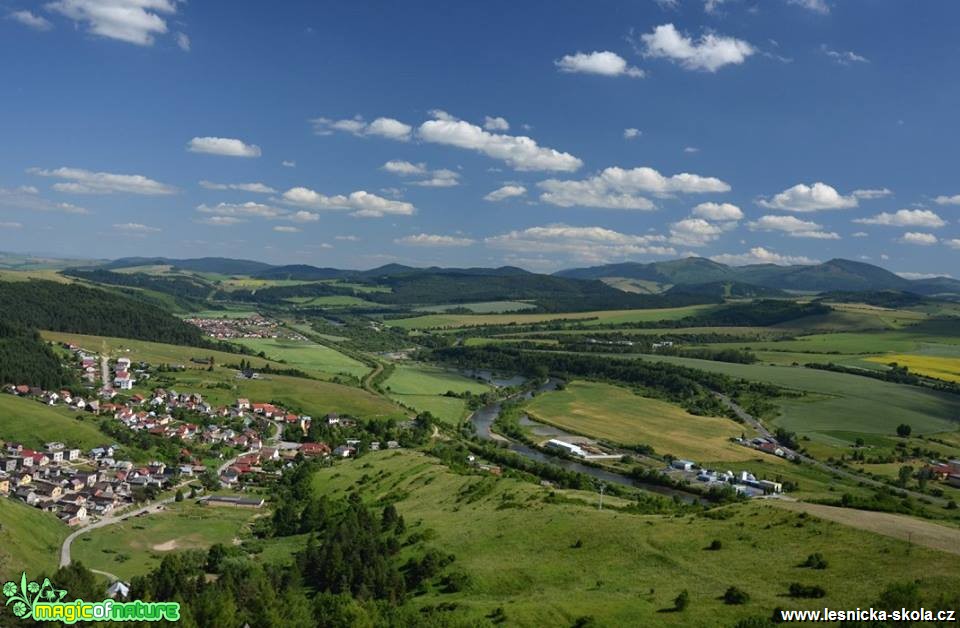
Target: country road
(757,425)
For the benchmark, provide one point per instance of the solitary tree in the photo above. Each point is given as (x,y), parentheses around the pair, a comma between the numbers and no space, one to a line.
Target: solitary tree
(903,430)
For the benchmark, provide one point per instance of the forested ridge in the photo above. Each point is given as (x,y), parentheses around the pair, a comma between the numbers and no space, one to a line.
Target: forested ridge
(26,359)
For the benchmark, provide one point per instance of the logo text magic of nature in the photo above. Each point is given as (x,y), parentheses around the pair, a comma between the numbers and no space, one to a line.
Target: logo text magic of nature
(44,602)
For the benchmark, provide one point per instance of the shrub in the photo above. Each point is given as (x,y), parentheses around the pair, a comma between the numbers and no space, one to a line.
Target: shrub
(806,591)
(733,595)
(681,601)
(815,561)
(715,545)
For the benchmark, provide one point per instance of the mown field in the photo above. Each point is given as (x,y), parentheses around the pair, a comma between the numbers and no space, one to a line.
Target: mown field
(601,317)
(29,540)
(333,301)
(616,414)
(422,387)
(136,546)
(838,404)
(32,423)
(485,307)
(521,551)
(308,356)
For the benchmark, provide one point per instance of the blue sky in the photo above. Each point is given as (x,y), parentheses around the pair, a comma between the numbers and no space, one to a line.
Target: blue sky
(541,134)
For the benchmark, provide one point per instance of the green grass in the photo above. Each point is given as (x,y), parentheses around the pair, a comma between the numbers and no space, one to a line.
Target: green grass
(309,356)
(333,301)
(518,549)
(838,402)
(29,540)
(136,546)
(617,415)
(228,313)
(32,423)
(421,387)
(486,307)
(602,317)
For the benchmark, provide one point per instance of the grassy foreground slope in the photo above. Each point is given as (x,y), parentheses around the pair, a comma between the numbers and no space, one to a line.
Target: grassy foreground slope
(29,540)
(33,424)
(519,546)
(616,414)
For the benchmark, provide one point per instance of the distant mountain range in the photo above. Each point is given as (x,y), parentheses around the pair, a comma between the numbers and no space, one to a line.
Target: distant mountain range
(692,275)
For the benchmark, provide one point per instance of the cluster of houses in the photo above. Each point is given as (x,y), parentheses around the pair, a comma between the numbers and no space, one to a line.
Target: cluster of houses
(947,472)
(73,484)
(767,446)
(255,326)
(743,482)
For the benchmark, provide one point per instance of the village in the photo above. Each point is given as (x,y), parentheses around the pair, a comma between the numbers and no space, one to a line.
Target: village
(212,446)
(254,326)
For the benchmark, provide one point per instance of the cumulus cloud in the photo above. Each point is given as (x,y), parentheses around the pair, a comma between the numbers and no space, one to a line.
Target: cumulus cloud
(520,152)
(347,238)
(718,211)
(37,22)
(792,226)
(905,218)
(133,21)
(183,42)
(258,188)
(242,209)
(495,123)
(604,63)
(694,232)
(843,57)
(397,166)
(228,147)
(363,204)
(953,243)
(388,128)
(431,240)
(710,53)
(286,229)
(28,197)
(817,6)
(948,200)
(82,181)
(221,221)
(441,178)
(619,188)
(860,234)
(286,163)
(583,244)
(505,192)
(872,193)
(10,225)
(135,228)
(811,198)
(761,255)
(921,239)
(631,133)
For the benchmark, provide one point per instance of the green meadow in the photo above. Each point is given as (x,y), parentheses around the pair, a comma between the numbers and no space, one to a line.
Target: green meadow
(422,387)
(32,423)
(309,356)
(29,540)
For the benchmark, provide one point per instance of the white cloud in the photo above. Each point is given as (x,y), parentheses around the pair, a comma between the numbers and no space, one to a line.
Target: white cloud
(710,53)
(792,226)
(520,152)
(631,133)
(921,239)
(401,167)
(347,238)
(242,209)
(132,21)
(953,243)
(668,5)
(135,227)
(286,163)
(441,178)
(694,232)
(429,240)
(10,225)
(761,255)
(388,128)
(221,221)
(809,198)
(583,244)
(691,149)
(860,234)
(37,22)
(605,63)
(718,211)
(817,6)
(362,203)
(303,216)
(495,123)
(912,276)
(711,6)
(82,181)
(905,218)
(619,188)
(948,200)
(28,197)
(872,193)
(258,188)
(228,147)
(286,229)
(183,41)
(505,192)
(843,57)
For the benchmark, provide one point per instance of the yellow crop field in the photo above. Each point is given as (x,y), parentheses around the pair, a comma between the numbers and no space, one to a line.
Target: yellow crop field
(946,368)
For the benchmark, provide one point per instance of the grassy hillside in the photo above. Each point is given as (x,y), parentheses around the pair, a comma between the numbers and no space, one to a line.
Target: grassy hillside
(615,414)
(309,356)
(597,317)
(519,544)
(29,540)
(422,387)
(33,424)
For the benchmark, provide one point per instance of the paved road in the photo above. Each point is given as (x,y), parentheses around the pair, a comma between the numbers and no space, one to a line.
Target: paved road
(857,477)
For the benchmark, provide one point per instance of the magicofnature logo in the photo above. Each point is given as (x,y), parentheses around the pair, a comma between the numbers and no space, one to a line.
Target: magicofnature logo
(44,602)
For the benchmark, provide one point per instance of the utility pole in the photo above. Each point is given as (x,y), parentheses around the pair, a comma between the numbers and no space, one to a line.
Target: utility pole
(602,487)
